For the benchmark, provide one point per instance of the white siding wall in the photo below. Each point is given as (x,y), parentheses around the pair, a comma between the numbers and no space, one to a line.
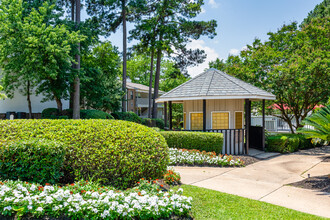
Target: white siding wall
(20,104)
(230,105)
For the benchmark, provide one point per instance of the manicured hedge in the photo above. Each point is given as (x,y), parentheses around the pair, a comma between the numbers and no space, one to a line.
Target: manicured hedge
(50,113)
(210,142)
(32,160)
(94,114)
(109,151)
(127,116)
(287,143)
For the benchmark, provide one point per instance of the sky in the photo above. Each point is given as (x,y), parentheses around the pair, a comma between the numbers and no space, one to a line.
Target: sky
(239,23)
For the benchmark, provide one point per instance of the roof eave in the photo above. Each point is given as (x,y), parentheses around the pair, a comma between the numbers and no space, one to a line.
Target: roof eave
(255,97)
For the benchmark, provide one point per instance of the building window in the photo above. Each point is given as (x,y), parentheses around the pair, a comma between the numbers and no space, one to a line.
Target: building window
(196,121)
(220,120)
(132,95)
(238,120)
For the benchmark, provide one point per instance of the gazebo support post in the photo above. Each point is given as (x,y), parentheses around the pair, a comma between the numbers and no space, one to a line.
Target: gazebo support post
(170,110)
(247,124)
(263,124)
(204,115)
(165,114)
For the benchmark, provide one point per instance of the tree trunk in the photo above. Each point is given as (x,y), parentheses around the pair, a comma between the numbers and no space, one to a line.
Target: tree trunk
(28,95)
(150,82)
(59,104)
(76,95)
(156,86)
(124,101)
(73,66)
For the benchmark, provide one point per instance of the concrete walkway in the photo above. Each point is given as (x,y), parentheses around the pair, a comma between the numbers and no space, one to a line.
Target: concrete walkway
(267,180)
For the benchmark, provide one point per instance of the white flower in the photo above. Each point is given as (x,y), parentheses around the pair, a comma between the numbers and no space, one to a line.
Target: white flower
(7,208)
(29,207)
(39,209)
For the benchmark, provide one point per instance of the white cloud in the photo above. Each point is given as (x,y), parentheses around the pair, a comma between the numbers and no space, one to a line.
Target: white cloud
(213,4)
(202,10)
(234,51)
(244,48)
(211,56)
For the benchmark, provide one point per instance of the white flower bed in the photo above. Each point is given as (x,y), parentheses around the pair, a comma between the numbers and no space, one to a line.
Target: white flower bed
(88,201)
(195,157)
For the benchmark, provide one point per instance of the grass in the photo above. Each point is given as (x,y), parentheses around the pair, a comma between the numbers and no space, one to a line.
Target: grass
(210,204)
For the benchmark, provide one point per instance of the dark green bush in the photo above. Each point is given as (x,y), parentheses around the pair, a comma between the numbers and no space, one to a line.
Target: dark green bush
(49,113)
(287,143)
(32,160)
(113,152)
(152,122)
(127,116)
(94,114)
(210,142)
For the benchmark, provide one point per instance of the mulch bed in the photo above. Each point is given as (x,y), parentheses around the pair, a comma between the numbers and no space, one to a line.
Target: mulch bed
(247,159)
(327,159)
(320,183)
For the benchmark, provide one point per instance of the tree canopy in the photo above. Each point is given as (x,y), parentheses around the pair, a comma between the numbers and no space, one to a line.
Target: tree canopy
(34,51)
(321,10)
(293,64)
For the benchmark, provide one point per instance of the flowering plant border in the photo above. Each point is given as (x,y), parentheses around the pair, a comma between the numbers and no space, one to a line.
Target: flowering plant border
(84,200)
(201,158)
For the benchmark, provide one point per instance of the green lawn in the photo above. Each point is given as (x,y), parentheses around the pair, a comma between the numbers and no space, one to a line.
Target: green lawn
(210,204)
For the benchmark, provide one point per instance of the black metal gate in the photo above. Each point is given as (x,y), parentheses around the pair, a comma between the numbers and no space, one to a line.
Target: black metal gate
(256,137)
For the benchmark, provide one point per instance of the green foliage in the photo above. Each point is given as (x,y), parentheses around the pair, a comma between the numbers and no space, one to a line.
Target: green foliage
(287,143)
(2,96)
(94,114)
(209,142)
(34,51)
(321,10)
(50,113)
(218,64)
(100,88)
(108,151)
(320,121)
(127,116)
(35,160)
(293,64)
(151,122)
(53,113)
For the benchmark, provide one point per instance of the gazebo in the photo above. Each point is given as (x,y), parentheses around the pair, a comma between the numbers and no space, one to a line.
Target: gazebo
(214,101)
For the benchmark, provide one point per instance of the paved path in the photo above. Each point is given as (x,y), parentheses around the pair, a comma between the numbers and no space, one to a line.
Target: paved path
(266,180)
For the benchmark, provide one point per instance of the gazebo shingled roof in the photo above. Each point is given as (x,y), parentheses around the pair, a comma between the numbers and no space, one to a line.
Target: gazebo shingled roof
(214,84)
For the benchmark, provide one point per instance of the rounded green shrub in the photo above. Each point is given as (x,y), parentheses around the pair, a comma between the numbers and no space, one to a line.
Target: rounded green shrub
(154,122)
(94,114)
(210,142)
(127,116)
(36,160)
(112,152)
(49,113)
(287,143)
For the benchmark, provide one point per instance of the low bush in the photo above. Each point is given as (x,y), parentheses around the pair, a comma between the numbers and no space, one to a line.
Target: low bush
(287,143)
(32,160)
(210,142)
(49,113)
(94,114)
(112,152)
(127,116)
(154,122)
